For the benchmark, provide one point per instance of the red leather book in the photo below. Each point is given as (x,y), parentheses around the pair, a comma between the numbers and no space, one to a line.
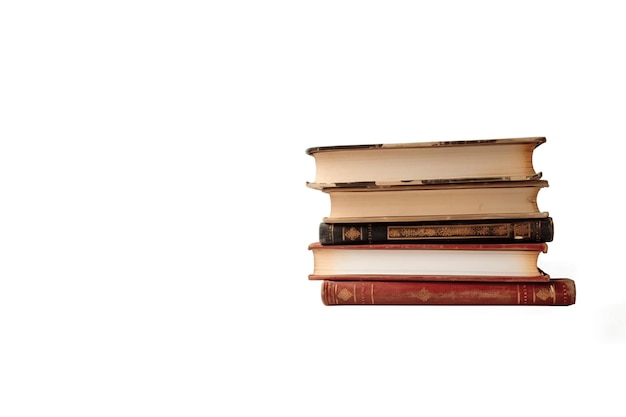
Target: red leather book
(556,292)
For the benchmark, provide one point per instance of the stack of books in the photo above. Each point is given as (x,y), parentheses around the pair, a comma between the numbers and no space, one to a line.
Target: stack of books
(434,223)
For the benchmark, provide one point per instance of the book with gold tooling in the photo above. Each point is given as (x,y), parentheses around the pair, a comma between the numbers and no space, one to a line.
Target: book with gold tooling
(487,230)
(556,292)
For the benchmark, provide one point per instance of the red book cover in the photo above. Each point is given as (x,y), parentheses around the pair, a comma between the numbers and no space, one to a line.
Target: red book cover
(556,292)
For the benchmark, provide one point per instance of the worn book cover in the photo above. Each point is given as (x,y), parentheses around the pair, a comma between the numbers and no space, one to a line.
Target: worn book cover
(556,292)
(486,230)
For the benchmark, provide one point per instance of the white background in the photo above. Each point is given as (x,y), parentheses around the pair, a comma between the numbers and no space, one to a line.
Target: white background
(155,219)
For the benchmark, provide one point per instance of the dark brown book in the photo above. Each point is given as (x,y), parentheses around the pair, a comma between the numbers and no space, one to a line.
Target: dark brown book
(475,231)
(425,162)
(429,262)
(556,292)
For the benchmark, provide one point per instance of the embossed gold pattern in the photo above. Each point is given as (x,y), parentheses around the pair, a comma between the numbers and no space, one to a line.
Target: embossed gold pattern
(423,294)
(452,231)
(344,294)
(352,233)
(543,294)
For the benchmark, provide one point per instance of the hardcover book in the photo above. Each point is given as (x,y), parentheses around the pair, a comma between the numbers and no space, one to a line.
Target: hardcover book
(429,262)
(425,162)
(556,292)
(476,231)
(460,201)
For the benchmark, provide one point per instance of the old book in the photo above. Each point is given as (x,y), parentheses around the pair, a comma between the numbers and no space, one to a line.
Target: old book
(425,162)
(474,231)
(459,201)
(429,262)
(556,292)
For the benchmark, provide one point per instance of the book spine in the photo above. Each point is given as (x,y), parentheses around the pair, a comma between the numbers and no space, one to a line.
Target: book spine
(526,230)
(559,291)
